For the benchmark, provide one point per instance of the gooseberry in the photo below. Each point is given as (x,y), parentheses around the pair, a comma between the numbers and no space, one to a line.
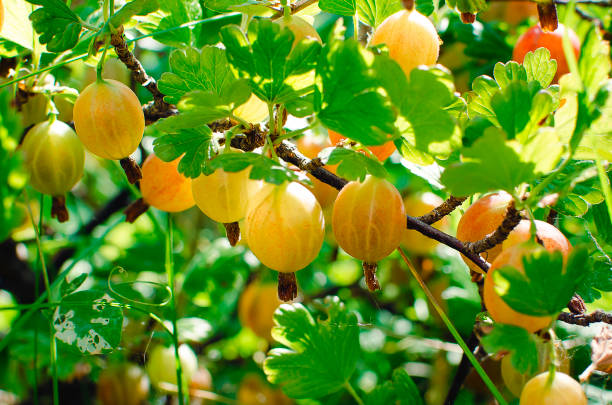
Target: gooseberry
(417,205)
(161,365)
(479,220)
(301,30)
(256,308)
(382,152)
(109,121)
(368,222)
(411,38)
(285,230)
(125,384)
(497,308)
(163,187)
(536,38)
(548,235)
(310,147)
(54,159)
(560,390)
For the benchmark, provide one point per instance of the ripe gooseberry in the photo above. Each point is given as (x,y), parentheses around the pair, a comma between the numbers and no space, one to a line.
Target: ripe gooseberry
(109,121)
(163,187)
(54,159)
(548,235)
(256,308)
(411,38)
(125,384)
(368,221)
(161,366)
(560,390)
(497,308)
(479,220)
(310,147)
(285,230)
(382,152)
(536,38)
(417,205)
(224,197)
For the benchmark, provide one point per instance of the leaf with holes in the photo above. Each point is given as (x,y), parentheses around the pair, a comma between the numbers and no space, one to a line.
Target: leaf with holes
(88,322)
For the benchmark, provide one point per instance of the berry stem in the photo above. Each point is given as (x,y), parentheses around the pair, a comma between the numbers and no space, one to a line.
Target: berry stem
(58,208)
(135,210)
(131,169)
(369,271)
(232,230)
(547,12)
(287,286)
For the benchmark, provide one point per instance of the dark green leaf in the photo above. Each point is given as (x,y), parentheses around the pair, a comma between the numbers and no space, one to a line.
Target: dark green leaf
(321,354)
(352,165)
(194,144)
(57,25)
(406,390)
(546,285)
(88,322)
(67,287)
(518,341)
(598,278)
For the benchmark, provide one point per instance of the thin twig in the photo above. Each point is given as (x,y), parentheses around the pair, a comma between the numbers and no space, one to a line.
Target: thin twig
(442,210)
(511,220)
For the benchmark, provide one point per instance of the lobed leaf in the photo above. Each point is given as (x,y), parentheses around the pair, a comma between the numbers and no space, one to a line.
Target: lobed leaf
(58,26)
(518,341)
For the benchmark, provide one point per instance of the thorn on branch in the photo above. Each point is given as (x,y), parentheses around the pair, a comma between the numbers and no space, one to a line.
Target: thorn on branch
(511,220)
(585,319)
(442,210)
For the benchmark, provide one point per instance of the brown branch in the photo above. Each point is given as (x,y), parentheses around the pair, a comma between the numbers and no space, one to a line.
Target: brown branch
(140,75)
(586,319)
(513,217)
(442,210)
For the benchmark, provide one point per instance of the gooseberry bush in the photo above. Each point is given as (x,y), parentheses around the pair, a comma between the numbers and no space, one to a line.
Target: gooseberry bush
(429,181)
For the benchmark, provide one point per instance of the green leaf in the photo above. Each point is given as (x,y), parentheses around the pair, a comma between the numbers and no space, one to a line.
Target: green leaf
(598,278)
(57,25)
(540,67)
(88,322)
(468,6)
(406,390)
(352,165)
(194,143)
(339,7)
(518,341)
(206,69)
(425,7)
(546,286)
(131,9)
(506,74)
(175,13)
(321,354)
(348,98)
(597,140)
(594,64)
(492,163)
(382,394)
(68,287)
(16,27)
(263,168)
(269,59)
(373,12)
(479,100)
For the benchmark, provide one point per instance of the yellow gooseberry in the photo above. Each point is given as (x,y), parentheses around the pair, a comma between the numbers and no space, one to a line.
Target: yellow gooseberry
(163,187)
(108,119)
(560,390)
(417,205)
(369,220)
(479,220)
(411,38)
(548,235)
(256,308)
(285,228)
(310,147)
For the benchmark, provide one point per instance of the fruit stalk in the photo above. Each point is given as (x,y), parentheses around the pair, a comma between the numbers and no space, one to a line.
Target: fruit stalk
(547,12)
(58,208)
(287,286)
(131,169)
(369,271)
(135,210)
(232,231)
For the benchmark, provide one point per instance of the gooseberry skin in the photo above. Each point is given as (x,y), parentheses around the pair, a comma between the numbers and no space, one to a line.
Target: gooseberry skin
(285,228)
(1,15)
(497,308)
(417,205)
(109,120)
(54,157)
(479,220)
(223,196)
(552,238)
(369,219)
(563,390)
(411,38)
(536,38)
(256,308)
(161,364)
(382,152)
(163,187)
